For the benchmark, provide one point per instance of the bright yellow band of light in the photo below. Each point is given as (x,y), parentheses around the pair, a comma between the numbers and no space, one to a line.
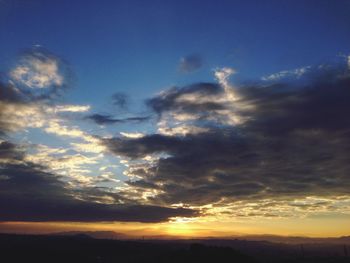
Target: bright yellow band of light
(331,226)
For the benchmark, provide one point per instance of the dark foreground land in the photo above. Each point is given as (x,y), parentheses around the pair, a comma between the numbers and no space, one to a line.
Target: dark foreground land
(82,248)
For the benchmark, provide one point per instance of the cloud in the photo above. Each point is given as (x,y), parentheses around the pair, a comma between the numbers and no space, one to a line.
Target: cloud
(306,75)
(187,99)
(9,93)
(44,183)
(63,162)
(120,100)
(9,151)
(18,116)
(196,105)
(29,90)
(38,195)
(273,149)
(291,143)
(182,130)
(190,63)
(102,119)
(295,73)
(86,142)
(319,107)
(38,69)
(132,134)
(72,108)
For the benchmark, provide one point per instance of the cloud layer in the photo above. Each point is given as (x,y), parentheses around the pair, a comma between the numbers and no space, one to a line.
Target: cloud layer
(35,194)
(43,183)
(289,142)
(278,147)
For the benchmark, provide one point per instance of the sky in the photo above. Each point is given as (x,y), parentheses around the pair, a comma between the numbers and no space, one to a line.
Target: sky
(175,118)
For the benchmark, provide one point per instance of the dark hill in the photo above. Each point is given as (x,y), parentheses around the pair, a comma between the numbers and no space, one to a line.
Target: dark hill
(84,249)
(80,247)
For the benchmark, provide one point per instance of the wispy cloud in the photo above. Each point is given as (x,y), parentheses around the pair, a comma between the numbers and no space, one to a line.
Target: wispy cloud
(190,63)
(295,73)
(102,119)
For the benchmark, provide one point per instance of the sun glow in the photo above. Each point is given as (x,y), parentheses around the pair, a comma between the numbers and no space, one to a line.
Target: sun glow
(180,226)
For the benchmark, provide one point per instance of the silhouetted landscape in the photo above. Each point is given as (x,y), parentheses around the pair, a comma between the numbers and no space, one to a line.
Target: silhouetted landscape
(84,248)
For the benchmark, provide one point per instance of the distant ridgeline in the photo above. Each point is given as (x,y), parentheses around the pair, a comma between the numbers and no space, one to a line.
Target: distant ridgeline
(83,248)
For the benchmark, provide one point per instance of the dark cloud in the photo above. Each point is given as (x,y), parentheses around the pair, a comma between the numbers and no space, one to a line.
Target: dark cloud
(294,142)
(171,99)
(29,193)
(9,94)
(10,151)
(120,100)
(190,63)
(143,146)
(108,119)
(322,106)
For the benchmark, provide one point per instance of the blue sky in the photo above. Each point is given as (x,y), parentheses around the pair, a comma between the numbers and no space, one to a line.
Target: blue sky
(135,46)
(177,107)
